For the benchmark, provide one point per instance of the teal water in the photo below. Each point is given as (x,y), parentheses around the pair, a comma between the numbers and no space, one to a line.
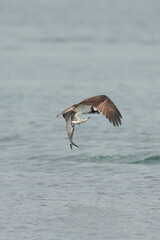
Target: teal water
(54,54)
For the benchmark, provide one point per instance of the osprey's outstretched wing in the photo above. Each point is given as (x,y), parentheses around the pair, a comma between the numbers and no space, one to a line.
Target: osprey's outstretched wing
(68,110)
(106,107)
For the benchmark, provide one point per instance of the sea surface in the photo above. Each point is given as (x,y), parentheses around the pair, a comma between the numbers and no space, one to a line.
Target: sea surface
(54,54)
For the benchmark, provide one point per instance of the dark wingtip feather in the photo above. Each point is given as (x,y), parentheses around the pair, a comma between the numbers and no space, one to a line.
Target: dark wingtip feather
(115,119)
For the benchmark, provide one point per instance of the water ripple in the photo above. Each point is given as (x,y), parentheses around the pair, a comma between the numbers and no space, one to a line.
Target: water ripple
(116,159)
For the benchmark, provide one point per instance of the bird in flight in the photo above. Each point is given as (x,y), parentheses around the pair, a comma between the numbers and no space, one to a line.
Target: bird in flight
(97,104)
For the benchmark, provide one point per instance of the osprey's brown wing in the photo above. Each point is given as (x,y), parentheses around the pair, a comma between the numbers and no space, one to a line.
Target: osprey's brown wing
(106,107)
(71,108)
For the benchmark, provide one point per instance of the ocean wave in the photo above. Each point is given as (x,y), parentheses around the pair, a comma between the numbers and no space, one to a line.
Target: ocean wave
(9,138)
(149,160)
(117,159)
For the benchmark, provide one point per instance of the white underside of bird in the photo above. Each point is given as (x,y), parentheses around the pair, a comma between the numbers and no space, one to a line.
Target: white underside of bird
(82,109)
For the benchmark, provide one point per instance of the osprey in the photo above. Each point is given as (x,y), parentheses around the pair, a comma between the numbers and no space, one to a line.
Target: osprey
(98,104)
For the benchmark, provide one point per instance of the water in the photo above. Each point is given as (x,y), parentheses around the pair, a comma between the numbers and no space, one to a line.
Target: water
(54,54)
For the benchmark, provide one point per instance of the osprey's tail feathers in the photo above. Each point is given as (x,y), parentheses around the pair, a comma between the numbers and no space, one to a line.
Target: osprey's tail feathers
(73,144)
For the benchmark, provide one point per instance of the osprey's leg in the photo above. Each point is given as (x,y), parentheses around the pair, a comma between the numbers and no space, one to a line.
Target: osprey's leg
(79,121)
